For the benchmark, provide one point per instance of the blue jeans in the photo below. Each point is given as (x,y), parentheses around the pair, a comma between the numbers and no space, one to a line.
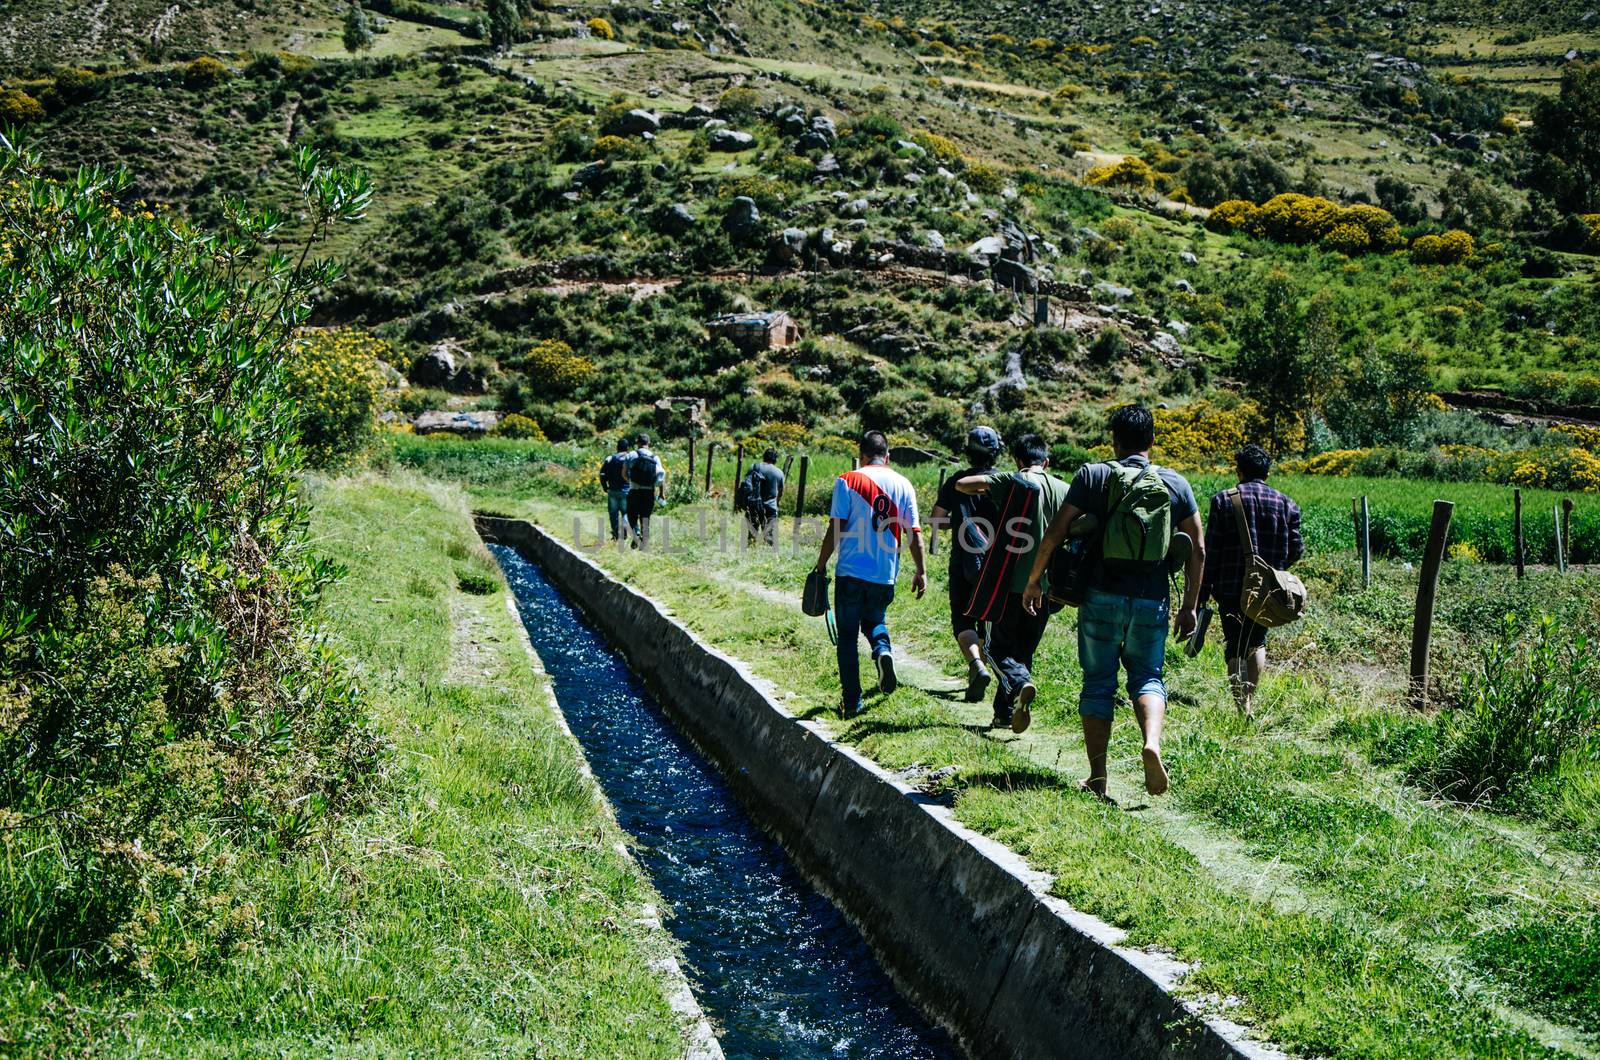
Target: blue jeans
(616,509)
(859,606)
(1124,631)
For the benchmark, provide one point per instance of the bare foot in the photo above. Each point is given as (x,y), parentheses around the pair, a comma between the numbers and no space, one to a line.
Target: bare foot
(1155,774)
(1096,786)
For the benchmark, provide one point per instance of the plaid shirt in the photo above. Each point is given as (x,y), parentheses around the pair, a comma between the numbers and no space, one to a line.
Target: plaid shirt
(1274,522)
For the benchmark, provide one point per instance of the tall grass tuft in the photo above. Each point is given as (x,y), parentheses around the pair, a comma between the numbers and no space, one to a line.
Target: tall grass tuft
(1531,709)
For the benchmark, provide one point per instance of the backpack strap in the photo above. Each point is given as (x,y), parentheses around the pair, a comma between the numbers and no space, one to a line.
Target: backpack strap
(1236,501)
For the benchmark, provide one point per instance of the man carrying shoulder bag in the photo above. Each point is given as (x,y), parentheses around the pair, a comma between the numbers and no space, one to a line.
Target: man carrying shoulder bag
(1252,536)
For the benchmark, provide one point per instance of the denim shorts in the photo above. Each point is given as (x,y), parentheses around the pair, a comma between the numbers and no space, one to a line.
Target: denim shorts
(1117,633)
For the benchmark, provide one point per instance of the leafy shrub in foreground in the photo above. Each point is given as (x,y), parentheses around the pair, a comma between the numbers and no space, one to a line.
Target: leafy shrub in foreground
(163,702)
(1527,707)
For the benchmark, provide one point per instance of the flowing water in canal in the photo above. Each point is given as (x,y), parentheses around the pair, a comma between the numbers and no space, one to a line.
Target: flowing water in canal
(778,969)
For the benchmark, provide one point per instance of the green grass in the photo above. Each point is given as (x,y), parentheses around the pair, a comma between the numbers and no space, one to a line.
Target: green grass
(480,907)
(1353,915)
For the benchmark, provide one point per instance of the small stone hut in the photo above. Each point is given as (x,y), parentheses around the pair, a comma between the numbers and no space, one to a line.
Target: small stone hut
(754,332)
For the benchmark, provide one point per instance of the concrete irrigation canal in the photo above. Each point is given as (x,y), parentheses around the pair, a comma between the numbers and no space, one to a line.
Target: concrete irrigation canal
(777,967)
(963,927)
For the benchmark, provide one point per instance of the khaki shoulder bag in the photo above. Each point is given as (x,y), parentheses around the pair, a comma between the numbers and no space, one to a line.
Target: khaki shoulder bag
(1269,597)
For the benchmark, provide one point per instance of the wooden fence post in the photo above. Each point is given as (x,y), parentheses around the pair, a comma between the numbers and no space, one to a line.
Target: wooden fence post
(933,531)
(800,495)
(691,459)
(711,458)
(738,473)
(1566,526)
(1521,556)
(1366,544)
(1427,590)
(1561,552)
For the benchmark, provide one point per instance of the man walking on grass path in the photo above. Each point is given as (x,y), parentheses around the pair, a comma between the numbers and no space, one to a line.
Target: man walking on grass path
(647,481)
(1122,622)
(1273,521)
(970,518)
(873,515)
(1027,500)
(764,487)
(614,480)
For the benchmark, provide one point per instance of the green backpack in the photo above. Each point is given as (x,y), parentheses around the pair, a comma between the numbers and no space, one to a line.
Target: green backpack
(1138,527)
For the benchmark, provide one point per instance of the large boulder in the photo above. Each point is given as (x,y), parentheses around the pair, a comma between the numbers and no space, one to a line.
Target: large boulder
(791,245)
(1015,275)
(447,366)
(591,176)
(731,140)
(823,126)
(675,219)
(438,366)
(634,123)
(742,213)
(465,424)
(986,249)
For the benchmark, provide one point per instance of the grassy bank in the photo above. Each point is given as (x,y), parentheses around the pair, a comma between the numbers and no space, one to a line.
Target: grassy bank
(1342,908)
(480,907)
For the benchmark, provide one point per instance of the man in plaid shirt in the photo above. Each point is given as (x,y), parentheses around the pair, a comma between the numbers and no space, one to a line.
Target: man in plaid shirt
(1274,522)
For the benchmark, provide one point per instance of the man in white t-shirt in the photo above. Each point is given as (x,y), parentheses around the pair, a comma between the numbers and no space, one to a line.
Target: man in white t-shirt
(874,514)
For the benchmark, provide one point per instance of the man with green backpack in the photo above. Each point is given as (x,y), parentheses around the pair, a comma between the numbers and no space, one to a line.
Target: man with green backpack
(1123,618)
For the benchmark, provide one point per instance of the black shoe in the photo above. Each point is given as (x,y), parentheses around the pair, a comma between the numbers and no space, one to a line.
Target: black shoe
(978,678)
(997,722)
(887,681)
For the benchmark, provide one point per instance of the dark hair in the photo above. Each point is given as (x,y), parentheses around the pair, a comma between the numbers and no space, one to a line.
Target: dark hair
(1030,449)
(874,445)
(770,456)
(1252,461)
(622,443)
(1133,428)
(642,440)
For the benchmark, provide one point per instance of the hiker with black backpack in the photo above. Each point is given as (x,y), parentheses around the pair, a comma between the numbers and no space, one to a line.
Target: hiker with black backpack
(647,481)
(758,495)
(614,480)
(1027,501)
(1250,520)
(970,519)
(1123,616)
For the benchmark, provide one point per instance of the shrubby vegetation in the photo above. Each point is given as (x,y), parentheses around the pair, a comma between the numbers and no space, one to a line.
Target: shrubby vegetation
(335,380)
(164,703)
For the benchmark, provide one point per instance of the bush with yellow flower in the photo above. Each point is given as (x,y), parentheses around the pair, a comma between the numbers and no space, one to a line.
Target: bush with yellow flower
(1130,172)
(600,29)
(1451,248)
(335,380)
(552,367)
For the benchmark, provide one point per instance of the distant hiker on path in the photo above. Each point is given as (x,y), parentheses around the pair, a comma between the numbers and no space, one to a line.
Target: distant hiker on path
(970,518)
(1123,619)
(874,512)
(1274,524)
(647,480)
(1028,500)
(763,487)
(614,480)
